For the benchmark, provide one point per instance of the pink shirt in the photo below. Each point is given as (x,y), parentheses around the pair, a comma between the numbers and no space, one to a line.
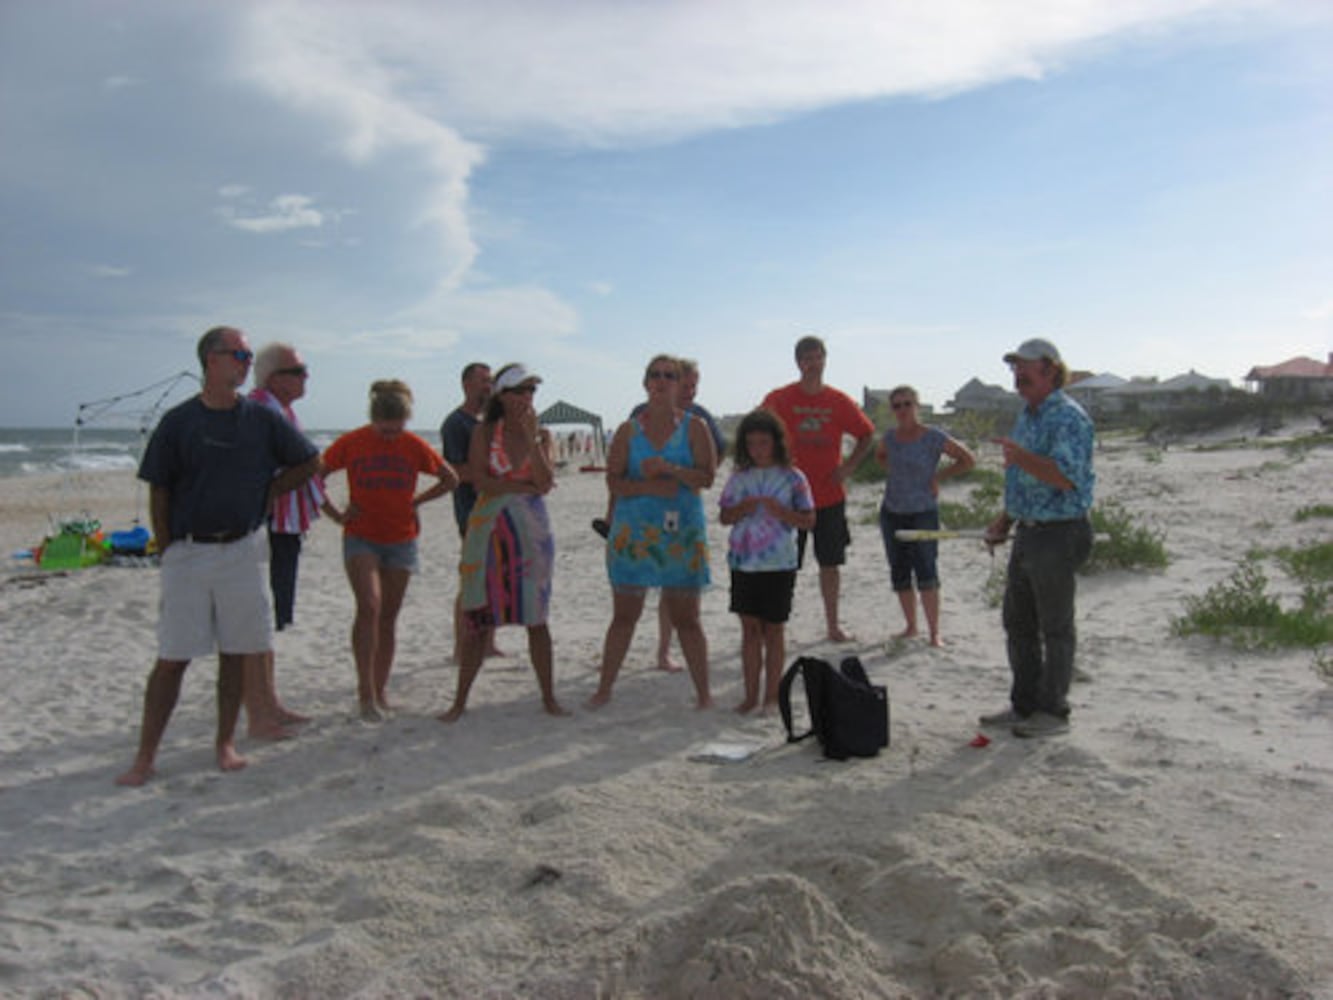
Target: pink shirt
(293,512)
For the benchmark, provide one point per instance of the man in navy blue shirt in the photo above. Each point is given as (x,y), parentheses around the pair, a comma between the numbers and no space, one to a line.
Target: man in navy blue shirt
(212,468)
(1048,483)
(456,442)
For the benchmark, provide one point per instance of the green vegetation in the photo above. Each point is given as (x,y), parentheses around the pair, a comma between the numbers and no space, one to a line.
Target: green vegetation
(1318,510)
(974,426)
(984,503)
(1241,611)
(869,471)
(1312,565)
(1131,546)
(1296,448)
(984,476)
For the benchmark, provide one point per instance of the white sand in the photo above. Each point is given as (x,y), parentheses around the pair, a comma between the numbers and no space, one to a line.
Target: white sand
(1175,843)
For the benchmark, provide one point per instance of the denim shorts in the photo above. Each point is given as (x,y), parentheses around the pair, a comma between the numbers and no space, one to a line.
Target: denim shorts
(389,555)
(909,559)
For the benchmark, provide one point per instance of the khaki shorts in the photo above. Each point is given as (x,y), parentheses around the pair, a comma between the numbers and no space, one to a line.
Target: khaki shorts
(215,597)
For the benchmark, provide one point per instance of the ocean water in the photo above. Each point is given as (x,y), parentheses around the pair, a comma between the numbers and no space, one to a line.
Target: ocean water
(26,451)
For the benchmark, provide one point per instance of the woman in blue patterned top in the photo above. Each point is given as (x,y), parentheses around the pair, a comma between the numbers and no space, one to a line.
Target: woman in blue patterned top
(658,463)
(910,453)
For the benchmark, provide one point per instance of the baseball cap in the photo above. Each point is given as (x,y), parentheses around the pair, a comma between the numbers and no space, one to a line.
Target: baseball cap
(1033,350)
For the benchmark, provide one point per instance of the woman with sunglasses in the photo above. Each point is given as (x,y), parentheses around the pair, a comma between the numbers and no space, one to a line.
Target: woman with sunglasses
(508,554)
(658,463)
(380,527)
(910,453)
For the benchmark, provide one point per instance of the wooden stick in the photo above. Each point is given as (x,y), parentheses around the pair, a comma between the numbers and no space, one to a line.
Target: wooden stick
(949,534)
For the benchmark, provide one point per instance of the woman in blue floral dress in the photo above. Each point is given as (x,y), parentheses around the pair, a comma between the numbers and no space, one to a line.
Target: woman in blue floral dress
(658,463)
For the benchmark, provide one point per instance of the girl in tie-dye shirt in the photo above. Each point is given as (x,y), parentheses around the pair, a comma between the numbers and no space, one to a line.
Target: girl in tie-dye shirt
(765,501)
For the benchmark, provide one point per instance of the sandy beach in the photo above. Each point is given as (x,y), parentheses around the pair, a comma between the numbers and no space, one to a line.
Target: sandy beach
(1174,844)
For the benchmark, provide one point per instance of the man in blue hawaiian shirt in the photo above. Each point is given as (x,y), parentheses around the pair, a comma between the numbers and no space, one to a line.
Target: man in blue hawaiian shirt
(1048,484)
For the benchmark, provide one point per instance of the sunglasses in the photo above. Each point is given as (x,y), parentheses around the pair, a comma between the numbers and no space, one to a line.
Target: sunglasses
(670,376)
(245,357)
(903,404)
(523,390)
(300,371)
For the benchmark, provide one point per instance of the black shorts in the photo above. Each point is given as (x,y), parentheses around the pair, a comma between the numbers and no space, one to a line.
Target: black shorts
(766,595)
(284,552)
(831,536)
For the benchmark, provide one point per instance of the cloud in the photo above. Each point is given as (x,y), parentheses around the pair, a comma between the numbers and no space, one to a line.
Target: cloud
(287,212)
(436,84)
(1319,313)
(324,67)
(506,318)
(233,191)
(604,71)
(110,271)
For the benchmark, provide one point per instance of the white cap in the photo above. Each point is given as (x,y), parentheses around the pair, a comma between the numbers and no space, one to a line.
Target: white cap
(514,375)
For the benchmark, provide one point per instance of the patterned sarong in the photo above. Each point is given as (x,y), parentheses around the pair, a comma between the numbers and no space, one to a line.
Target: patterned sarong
(507,561)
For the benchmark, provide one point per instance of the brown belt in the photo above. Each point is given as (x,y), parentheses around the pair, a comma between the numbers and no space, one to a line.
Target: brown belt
(218,538)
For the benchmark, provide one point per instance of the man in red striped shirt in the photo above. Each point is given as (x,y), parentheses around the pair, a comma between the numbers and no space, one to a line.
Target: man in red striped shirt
(280,380)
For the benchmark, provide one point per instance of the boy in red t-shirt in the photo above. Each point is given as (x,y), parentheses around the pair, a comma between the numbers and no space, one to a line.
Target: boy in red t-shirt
(817,416)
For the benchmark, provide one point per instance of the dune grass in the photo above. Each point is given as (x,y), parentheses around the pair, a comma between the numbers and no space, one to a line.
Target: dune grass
(1314,511)
(1241,611)
(1131,546)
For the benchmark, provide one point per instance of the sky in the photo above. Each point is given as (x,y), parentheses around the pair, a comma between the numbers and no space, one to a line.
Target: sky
(401,188)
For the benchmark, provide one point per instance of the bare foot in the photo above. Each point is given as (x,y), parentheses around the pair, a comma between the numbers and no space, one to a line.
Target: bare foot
(137,775)
(272,731)
(745,707)
(599,699)
(289,718)
(493,650)
(554,707)
(453,715)
(936,641)
(667,664)
(370,712)
(836,634)
(229,759)
(906,633)
(703,703)
(769,708)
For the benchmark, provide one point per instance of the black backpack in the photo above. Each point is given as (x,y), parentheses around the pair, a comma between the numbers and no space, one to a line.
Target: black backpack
(848,715)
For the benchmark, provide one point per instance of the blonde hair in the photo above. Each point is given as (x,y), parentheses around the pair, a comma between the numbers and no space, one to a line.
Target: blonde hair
(390,399)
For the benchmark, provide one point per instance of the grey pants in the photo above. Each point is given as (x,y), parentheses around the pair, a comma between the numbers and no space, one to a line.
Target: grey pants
(1039,613)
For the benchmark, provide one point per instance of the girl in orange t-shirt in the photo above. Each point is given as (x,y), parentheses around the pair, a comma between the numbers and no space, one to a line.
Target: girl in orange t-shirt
(380,528)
